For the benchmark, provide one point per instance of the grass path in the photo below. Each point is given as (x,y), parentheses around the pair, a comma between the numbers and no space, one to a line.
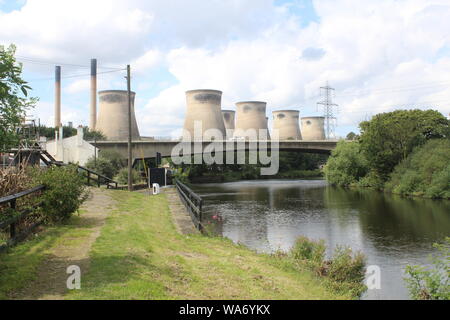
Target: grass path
(140,255)
(133,251)
(71,247)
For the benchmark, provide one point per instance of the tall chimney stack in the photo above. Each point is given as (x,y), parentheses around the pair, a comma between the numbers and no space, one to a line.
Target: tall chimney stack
(93,112)
(57,96)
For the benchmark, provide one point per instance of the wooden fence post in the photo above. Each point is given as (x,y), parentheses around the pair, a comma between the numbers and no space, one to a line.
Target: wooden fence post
(12,227)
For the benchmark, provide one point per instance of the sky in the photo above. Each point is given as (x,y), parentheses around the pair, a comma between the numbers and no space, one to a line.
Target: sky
(378,55)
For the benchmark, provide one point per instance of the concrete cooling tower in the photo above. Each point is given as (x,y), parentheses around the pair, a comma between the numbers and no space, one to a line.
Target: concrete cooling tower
(313,128)
(204,106)
(113,115)
(250,115)
(287,122)
(229,117)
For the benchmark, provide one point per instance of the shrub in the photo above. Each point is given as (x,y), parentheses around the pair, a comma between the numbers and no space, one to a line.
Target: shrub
(310,251)
(425,172)
(117,161)
(122,176)
(345,272)
(346,266)
(102,166)
(346,165)
(64,193)
(431,283)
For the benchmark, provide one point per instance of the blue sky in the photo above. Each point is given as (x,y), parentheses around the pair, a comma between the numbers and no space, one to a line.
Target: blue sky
(379,55)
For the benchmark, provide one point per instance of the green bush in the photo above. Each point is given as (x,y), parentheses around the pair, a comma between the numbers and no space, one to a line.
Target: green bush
(431,283)
(64,193)
(310,251)
(346,266)
(122,176)
(117,161)
(388,138)
(345,272)
(426,171)
(102,166)
(346,165)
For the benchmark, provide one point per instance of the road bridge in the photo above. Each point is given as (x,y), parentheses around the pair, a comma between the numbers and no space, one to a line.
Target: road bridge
(147,149)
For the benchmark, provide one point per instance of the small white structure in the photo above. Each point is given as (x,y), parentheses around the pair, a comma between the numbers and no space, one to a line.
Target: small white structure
(71,150)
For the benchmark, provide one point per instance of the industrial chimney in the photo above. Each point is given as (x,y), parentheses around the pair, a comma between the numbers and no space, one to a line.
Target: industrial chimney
(57,96)
(313,128)
(113,115)
(204,107)
(250,116)
(287,122)
(229,117)
(93,110)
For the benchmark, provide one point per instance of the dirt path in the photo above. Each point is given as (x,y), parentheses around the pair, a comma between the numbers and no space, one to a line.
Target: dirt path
(72,249)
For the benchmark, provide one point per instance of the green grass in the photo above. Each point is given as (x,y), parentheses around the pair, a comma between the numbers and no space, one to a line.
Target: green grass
(19,265)
(139,255)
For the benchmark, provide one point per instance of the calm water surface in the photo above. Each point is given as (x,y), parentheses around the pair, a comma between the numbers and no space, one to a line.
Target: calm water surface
(391,231)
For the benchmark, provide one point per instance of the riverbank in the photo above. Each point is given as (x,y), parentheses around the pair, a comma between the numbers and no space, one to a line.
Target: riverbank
(240,176)
(138,254)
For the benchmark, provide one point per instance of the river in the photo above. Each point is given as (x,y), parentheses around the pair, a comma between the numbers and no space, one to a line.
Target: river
(268,215)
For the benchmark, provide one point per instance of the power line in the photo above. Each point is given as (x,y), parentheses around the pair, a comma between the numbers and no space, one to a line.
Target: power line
(46,62)
(75,76)
(398,89)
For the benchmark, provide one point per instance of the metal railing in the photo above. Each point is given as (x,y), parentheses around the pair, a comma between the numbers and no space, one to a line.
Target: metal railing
(17,216)
(93,176)
(193,203)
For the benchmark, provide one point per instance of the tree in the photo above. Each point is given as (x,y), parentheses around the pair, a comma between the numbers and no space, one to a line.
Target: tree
(347,164)
(352,136)
(91,135)
(389,138)
(14,100)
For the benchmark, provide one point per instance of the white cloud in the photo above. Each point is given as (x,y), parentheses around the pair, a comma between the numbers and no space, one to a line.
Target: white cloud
(252,49)
(364,44)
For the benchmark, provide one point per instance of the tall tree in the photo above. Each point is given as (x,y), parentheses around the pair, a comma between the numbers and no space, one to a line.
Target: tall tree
(390,137)
(14,100)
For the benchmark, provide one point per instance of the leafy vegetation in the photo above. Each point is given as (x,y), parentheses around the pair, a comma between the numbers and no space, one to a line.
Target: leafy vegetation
(107,163)
(431,283)
(88,135)
(345,271)
(347,164)
(390,137)
(64,193)
(405,152)
(49,132)
(426,172)
(292,165)
(14,100)
(122,176)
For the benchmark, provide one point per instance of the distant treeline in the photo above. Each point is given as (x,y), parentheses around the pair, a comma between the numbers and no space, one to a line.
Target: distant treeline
(49,133)
(292,165)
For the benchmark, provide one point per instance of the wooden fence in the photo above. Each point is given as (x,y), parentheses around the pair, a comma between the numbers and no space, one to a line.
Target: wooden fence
(17,216)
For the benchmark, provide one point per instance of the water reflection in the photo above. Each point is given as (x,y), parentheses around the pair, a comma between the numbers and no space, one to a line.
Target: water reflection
(391,231)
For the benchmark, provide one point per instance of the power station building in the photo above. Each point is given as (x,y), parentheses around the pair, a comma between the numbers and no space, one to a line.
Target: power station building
(229,118)
(250,118)
(287,122)
(313,128)
(113,115)
(204,112)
